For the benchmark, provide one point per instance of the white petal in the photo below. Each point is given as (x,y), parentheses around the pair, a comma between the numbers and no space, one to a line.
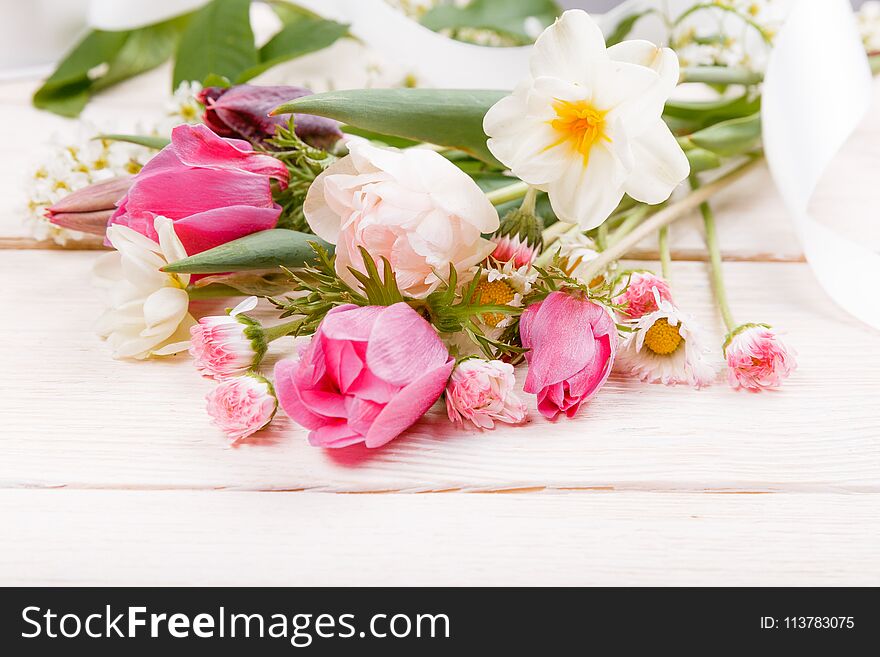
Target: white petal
(620,82)
(569,49)
(586,195)
(163,311)
(660,165)
(172,247)
(642,111)
(245,306)
(321,219)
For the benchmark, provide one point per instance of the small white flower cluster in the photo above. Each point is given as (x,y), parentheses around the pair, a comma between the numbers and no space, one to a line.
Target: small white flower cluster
(732,38)
(72,162)
(75,160)
(869,25)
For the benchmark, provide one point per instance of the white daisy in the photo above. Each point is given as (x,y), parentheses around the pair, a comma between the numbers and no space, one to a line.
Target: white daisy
(665,346)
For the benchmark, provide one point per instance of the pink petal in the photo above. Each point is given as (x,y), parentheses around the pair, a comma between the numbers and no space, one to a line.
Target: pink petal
(205,230)
(334,435)
(350,322)
(198,146)
(409,405)
(289,397)
(403,346)
(561,339)
(324,403)
(362,414)
(344,362)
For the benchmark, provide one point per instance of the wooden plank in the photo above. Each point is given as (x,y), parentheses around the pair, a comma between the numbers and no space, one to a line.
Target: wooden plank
(74,417)
(191,538)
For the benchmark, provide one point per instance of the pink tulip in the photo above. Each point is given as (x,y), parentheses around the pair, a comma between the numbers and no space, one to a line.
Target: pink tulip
(243,111)
(572,342)
(367,375)
(88,209)
(214,189)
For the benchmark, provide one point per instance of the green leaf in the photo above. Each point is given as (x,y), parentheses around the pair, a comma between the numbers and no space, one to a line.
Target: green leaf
(218,40)
(702,160)
(623,28)
(299,37)
(701,114)
(446,117)
(733,137)
(267,249)
(144,49)
(502,16)
(66,91)
(157,143)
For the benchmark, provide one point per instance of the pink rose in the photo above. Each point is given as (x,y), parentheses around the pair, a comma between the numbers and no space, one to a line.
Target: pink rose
(214,189)
(242,405)
(366,376)
(572,342)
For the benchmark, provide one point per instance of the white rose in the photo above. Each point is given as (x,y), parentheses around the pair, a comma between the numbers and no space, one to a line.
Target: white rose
(413,207)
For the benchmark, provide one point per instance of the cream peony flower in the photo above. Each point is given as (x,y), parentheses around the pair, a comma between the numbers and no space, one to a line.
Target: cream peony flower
(149,314)
(413,207)
(586,125)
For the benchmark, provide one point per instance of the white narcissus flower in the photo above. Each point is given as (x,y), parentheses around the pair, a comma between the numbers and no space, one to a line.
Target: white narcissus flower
(413,207)
(149,314)
(586,125)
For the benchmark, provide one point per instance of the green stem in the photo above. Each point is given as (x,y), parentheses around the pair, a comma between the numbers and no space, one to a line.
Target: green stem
(715,6)
(717,275)
(874,61)
(280,330)
(665,257)
(664,217)
(633,219)
(720,75)
(529,200)
(602,236)
(508,193)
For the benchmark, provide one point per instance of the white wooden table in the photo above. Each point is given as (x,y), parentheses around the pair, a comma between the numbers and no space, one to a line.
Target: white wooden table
(110,472)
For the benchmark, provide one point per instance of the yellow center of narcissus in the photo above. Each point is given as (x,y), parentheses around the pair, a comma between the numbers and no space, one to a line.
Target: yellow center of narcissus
(581,124)
(662,338)
(493,293)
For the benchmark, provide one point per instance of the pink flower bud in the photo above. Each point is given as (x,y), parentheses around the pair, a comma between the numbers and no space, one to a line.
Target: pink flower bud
(242,405)
(228,345)
(757,358)
(639,295)
(481,392)
(89,209)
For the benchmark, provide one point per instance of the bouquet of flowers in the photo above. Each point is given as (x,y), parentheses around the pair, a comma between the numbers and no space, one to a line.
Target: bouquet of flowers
(423,243)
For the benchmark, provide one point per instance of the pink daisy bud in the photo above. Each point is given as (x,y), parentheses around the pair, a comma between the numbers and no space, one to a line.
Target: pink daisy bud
(481,392)
(638,298)
(242,405)
(518,238)
(228,345)
(757,358)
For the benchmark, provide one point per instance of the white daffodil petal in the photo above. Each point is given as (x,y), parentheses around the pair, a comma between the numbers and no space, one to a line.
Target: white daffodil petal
(569,49)
(660,165)
(245,306)
(586,195)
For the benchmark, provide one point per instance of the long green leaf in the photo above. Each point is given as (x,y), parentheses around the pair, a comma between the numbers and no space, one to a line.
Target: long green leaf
(157,143)
(218,40)
(624,27)
(267,249)
(66,91)
(502,16)
(729,138)
(446,117)
(297,38)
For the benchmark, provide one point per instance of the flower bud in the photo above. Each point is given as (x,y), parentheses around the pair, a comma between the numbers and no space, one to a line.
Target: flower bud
(228,345)
(481,392)
(89,209)
(518,238)
(242,405)
(242,111)
(757,358)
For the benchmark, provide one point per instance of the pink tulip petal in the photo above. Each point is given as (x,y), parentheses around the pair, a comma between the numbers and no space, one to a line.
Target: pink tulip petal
(198,146)
(362,414)
(350,322)
(403,346)
(334,435)
(561,339)
(409,405)
(289,398)
(343,362)
(324,402)
(205,230)
(98,196)
(371,388)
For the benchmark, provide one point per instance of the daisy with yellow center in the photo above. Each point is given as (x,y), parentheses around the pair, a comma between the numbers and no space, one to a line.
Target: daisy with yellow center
(503,284)
(665,346)
(586,125)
